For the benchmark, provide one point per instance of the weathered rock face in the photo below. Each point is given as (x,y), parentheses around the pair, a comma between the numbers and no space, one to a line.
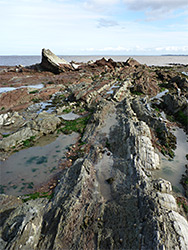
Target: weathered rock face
(175,103)
(11,119)
(181,82)
(184,181)
(40,125)
(132,63)
(178,107)
(107,199)
(53,63)
(17,98)
(106,63)
(87,212)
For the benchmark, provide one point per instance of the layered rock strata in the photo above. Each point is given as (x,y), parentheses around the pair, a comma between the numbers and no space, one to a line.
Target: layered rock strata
(53,63)
(107,199)
(87,212)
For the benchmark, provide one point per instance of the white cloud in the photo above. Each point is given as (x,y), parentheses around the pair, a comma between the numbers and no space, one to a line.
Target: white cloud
(119,48)
(173,48)
(156,9)
(100,5)
(103,2)
(137,49)
(156,4)
(66,27)
(106,23)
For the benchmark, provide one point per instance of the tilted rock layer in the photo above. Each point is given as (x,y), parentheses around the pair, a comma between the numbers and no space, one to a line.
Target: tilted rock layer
(107,199)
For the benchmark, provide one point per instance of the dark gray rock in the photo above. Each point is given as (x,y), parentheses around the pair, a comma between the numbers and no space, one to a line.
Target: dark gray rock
(174,103)
(88,213)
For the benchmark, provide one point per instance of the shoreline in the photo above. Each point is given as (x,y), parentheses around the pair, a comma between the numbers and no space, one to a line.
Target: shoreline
(158,60)
(106,192)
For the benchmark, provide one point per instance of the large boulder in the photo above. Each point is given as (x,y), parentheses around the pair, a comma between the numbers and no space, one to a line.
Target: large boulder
(53,63)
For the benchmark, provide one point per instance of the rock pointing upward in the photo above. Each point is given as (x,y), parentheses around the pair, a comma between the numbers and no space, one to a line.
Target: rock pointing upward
(53,63)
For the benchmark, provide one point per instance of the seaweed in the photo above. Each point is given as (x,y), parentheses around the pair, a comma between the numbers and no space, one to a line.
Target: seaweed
(77,125)
(37,195)
(29,142)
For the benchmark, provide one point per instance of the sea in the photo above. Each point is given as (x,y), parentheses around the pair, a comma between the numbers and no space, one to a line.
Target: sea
(148,60)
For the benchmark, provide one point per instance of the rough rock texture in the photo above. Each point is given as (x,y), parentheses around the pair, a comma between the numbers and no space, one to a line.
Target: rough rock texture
(175,103)
(107,199)
(184,180)
(43,124)
(10,119)
(132,63)
(53,63)
(131,212)
(181,82)
(15,98)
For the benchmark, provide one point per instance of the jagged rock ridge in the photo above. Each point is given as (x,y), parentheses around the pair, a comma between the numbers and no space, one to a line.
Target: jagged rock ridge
(107,198)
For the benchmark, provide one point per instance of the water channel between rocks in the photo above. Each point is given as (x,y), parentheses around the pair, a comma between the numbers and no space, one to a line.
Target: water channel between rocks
(104,167)
(172,170)
(6,89)
(23,171)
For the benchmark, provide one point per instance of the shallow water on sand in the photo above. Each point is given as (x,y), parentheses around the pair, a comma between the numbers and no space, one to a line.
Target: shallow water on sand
(6,89)
(172,170)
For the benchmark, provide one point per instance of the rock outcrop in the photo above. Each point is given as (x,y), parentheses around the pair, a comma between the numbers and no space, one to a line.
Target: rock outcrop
(38,126)
(53,63)
(17,98)
(106,197)
(87,212)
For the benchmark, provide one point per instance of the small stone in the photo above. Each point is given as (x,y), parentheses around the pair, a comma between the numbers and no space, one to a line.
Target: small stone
(163,185)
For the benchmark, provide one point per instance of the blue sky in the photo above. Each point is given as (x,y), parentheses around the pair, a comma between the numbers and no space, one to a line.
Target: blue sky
(94,27)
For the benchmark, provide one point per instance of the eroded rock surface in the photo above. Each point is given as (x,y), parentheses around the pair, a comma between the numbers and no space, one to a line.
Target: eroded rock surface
(107,198)
(40,125)
(53,63)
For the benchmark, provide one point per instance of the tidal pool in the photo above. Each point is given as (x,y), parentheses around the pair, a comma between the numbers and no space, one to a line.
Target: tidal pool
(27,169)
(70,116)
(6,89)
(104,171)
(172,170)
(159,95)
(111,91)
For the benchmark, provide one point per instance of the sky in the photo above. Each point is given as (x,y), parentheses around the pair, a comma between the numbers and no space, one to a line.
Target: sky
(94,27)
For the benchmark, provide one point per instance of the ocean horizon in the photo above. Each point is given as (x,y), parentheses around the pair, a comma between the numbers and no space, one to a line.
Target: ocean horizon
(157,60)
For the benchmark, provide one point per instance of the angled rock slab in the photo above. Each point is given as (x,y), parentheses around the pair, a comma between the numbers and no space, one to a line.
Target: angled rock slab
(53,63)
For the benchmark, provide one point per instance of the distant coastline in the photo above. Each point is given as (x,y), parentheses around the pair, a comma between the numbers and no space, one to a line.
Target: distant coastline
(173,55)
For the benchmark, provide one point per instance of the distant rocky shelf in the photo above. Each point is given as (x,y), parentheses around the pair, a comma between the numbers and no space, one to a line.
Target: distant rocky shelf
(108,124)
